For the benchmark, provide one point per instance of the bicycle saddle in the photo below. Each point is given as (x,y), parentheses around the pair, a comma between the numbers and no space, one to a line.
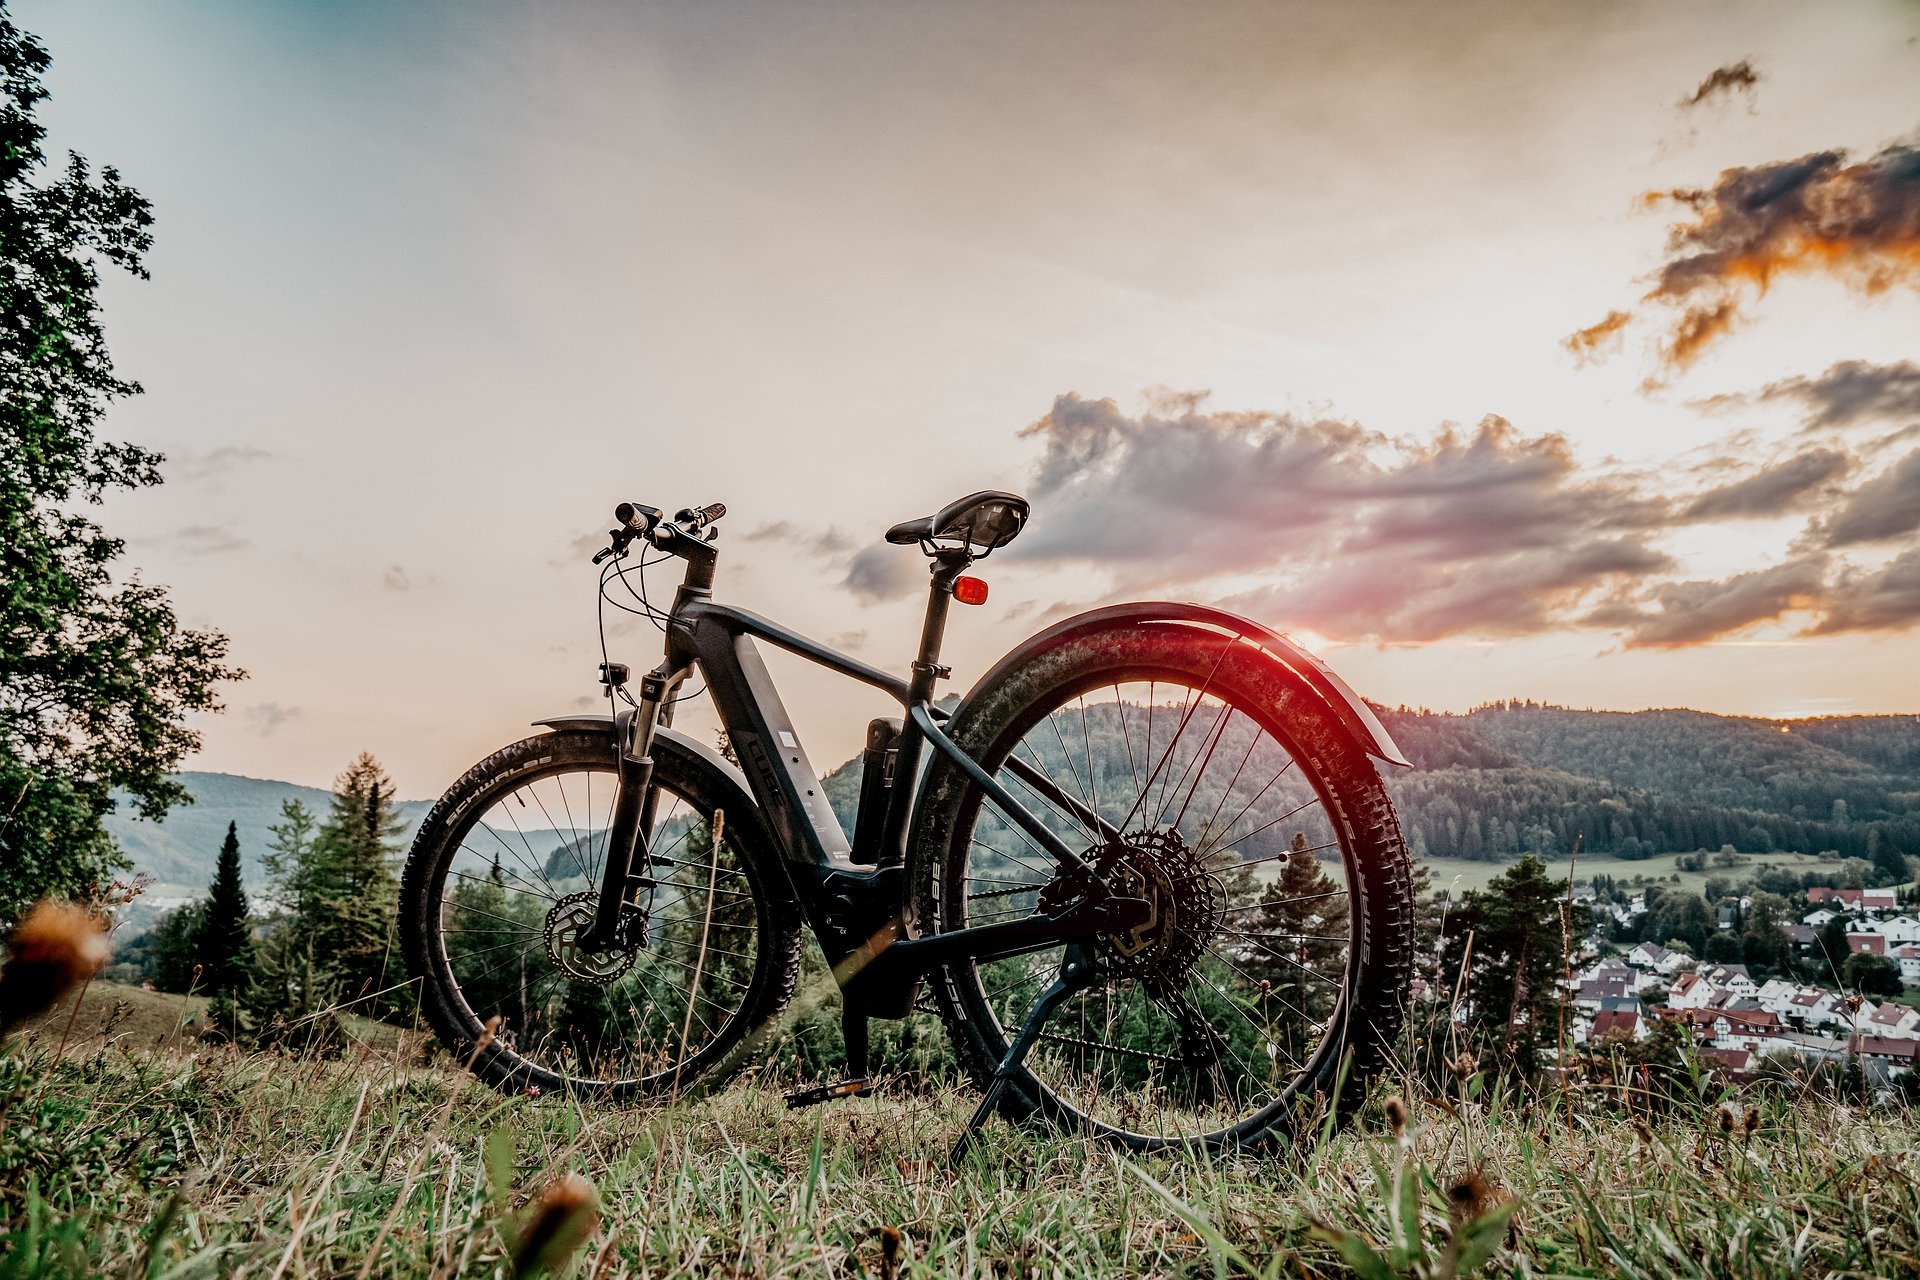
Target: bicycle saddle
(987,520)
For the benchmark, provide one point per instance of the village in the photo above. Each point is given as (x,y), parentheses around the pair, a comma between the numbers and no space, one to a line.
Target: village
(1737,1022)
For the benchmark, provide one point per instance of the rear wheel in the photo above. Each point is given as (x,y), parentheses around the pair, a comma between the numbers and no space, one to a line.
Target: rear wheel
(1281,929)
(504,875)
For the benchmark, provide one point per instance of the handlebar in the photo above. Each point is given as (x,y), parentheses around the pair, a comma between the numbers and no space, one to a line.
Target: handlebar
(648,524)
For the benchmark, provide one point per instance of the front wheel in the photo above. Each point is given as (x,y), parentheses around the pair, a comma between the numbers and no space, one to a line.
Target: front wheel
(1272,974)
(504,875)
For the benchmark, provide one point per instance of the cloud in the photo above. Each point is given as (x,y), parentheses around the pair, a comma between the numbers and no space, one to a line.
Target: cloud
(1724,82)
(1784,487)
(579,551)
(1355,533)
(1849,394)
(1858,222)
(1694,612)
(1887,599)
(830,541)
(265,717)
(1320,523)
(195,464)
(1598,341)
(1886,506)
(884,572)
(208,540)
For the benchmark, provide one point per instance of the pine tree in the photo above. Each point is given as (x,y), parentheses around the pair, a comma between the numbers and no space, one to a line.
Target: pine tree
(1516,946)
(333,941)
(1296,944)
(225,939)
(287,990)
(351,890)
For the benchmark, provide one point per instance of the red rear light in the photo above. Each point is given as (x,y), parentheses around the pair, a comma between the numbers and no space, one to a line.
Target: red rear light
(970,590)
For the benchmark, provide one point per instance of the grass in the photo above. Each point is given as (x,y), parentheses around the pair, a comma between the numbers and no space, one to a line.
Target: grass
(1475,874)
(201,1160)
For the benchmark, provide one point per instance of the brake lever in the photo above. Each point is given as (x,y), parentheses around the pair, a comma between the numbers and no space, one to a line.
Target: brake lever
(622,539)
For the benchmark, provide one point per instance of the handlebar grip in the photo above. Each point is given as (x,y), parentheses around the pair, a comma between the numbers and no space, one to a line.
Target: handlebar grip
(632,516)
(701,517)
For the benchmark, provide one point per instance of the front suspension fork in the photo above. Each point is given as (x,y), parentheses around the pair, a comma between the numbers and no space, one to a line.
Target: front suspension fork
(635,802)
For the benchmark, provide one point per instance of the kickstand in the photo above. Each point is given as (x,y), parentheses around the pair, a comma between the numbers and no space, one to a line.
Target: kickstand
(1076,972)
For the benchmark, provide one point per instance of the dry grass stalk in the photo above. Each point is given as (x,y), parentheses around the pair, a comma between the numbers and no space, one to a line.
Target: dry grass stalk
(57,948)
(1396,1110)
(556,1224)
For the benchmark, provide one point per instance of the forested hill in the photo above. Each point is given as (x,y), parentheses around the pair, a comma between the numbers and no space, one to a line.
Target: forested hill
(1491,784)
(1517,776)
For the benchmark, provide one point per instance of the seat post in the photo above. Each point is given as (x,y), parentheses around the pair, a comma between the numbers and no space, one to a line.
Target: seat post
(948,564)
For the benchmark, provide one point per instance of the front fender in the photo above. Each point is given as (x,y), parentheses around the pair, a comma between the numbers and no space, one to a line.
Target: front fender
(1348,708)
(602,723)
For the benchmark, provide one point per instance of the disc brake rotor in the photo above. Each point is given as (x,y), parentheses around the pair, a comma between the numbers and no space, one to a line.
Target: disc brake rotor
(565,922)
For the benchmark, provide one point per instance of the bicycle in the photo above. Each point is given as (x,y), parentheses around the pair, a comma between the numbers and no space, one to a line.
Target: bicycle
(1133,931)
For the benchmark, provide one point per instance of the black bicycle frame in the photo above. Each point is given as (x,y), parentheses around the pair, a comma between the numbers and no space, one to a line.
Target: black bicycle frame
(858,911)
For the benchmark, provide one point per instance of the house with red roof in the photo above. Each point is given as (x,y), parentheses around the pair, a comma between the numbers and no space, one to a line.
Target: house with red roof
(1626,1024)
(1896,1055)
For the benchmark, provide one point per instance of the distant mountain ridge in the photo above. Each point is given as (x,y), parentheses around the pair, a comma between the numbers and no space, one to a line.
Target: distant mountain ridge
(180,852)
(1488,783)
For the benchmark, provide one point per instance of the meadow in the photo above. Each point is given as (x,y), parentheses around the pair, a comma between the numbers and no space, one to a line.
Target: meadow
(1463,874)
(125,1157)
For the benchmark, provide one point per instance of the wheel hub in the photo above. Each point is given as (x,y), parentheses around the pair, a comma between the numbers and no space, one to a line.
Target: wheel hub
(568,919)
(1183,905)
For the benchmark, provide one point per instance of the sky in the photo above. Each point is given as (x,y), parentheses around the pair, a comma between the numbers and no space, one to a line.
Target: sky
(1360,319)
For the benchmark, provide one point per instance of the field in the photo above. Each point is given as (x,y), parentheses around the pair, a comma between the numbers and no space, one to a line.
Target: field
(1473,874)
(204,1160)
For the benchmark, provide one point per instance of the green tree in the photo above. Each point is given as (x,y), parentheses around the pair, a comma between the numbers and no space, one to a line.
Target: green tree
(1890,866)
(174,963)
(97,676)
(1512,930)
(336,881)
(225,938)
(1301,938)
(288,991)
(1872,975)
(1686,917)
(1725,947)
(1765,945)
(1830,951)
(356,848)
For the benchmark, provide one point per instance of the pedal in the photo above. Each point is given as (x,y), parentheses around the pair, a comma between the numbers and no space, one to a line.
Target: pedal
(856,1088)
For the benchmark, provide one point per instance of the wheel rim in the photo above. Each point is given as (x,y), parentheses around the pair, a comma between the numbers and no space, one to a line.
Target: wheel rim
(518,884)
(1214,1023)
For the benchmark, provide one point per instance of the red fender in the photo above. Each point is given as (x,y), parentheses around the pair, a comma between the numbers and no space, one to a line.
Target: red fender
(1348,708)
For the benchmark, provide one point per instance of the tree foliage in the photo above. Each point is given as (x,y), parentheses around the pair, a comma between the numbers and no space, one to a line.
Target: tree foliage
(333,942)
(1509,939)
(97,676)
(225,937)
